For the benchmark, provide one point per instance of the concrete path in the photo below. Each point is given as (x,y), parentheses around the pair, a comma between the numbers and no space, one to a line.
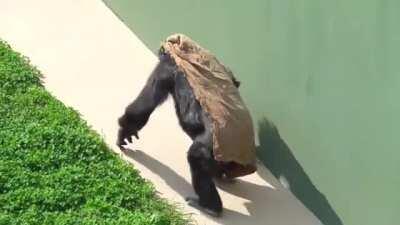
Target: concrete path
(93,63)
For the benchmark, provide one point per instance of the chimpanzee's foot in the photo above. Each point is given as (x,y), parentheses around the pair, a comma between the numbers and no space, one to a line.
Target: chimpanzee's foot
(194,202)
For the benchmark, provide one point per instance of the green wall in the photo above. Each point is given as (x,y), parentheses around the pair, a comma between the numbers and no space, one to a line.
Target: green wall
(326,74)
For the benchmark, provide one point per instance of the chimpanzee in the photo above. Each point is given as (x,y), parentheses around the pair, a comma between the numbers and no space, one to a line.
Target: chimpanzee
(167,79)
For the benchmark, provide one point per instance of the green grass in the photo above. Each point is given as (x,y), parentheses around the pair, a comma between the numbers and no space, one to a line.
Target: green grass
(54,169)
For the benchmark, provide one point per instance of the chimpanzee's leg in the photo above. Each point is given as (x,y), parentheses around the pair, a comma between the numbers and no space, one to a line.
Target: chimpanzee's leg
(203,168)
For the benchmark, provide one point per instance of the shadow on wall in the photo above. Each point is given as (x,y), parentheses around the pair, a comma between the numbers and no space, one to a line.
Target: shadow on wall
(279,159)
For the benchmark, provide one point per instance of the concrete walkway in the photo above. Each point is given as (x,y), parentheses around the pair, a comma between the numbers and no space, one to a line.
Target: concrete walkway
(93,63)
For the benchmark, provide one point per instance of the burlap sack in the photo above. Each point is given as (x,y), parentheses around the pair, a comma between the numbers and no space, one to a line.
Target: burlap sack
(211,81)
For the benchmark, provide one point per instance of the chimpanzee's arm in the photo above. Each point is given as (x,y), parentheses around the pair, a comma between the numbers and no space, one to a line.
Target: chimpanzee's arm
(138,112)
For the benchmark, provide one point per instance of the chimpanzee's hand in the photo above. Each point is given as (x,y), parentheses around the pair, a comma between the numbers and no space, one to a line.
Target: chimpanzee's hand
(127,134)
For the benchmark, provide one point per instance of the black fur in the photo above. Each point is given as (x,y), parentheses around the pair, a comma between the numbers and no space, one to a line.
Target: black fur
(167,79)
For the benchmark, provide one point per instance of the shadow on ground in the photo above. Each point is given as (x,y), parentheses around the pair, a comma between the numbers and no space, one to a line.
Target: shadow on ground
(279,159)
(256,205)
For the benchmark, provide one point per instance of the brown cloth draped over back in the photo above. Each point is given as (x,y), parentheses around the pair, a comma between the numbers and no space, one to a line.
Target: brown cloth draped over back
(213,87)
